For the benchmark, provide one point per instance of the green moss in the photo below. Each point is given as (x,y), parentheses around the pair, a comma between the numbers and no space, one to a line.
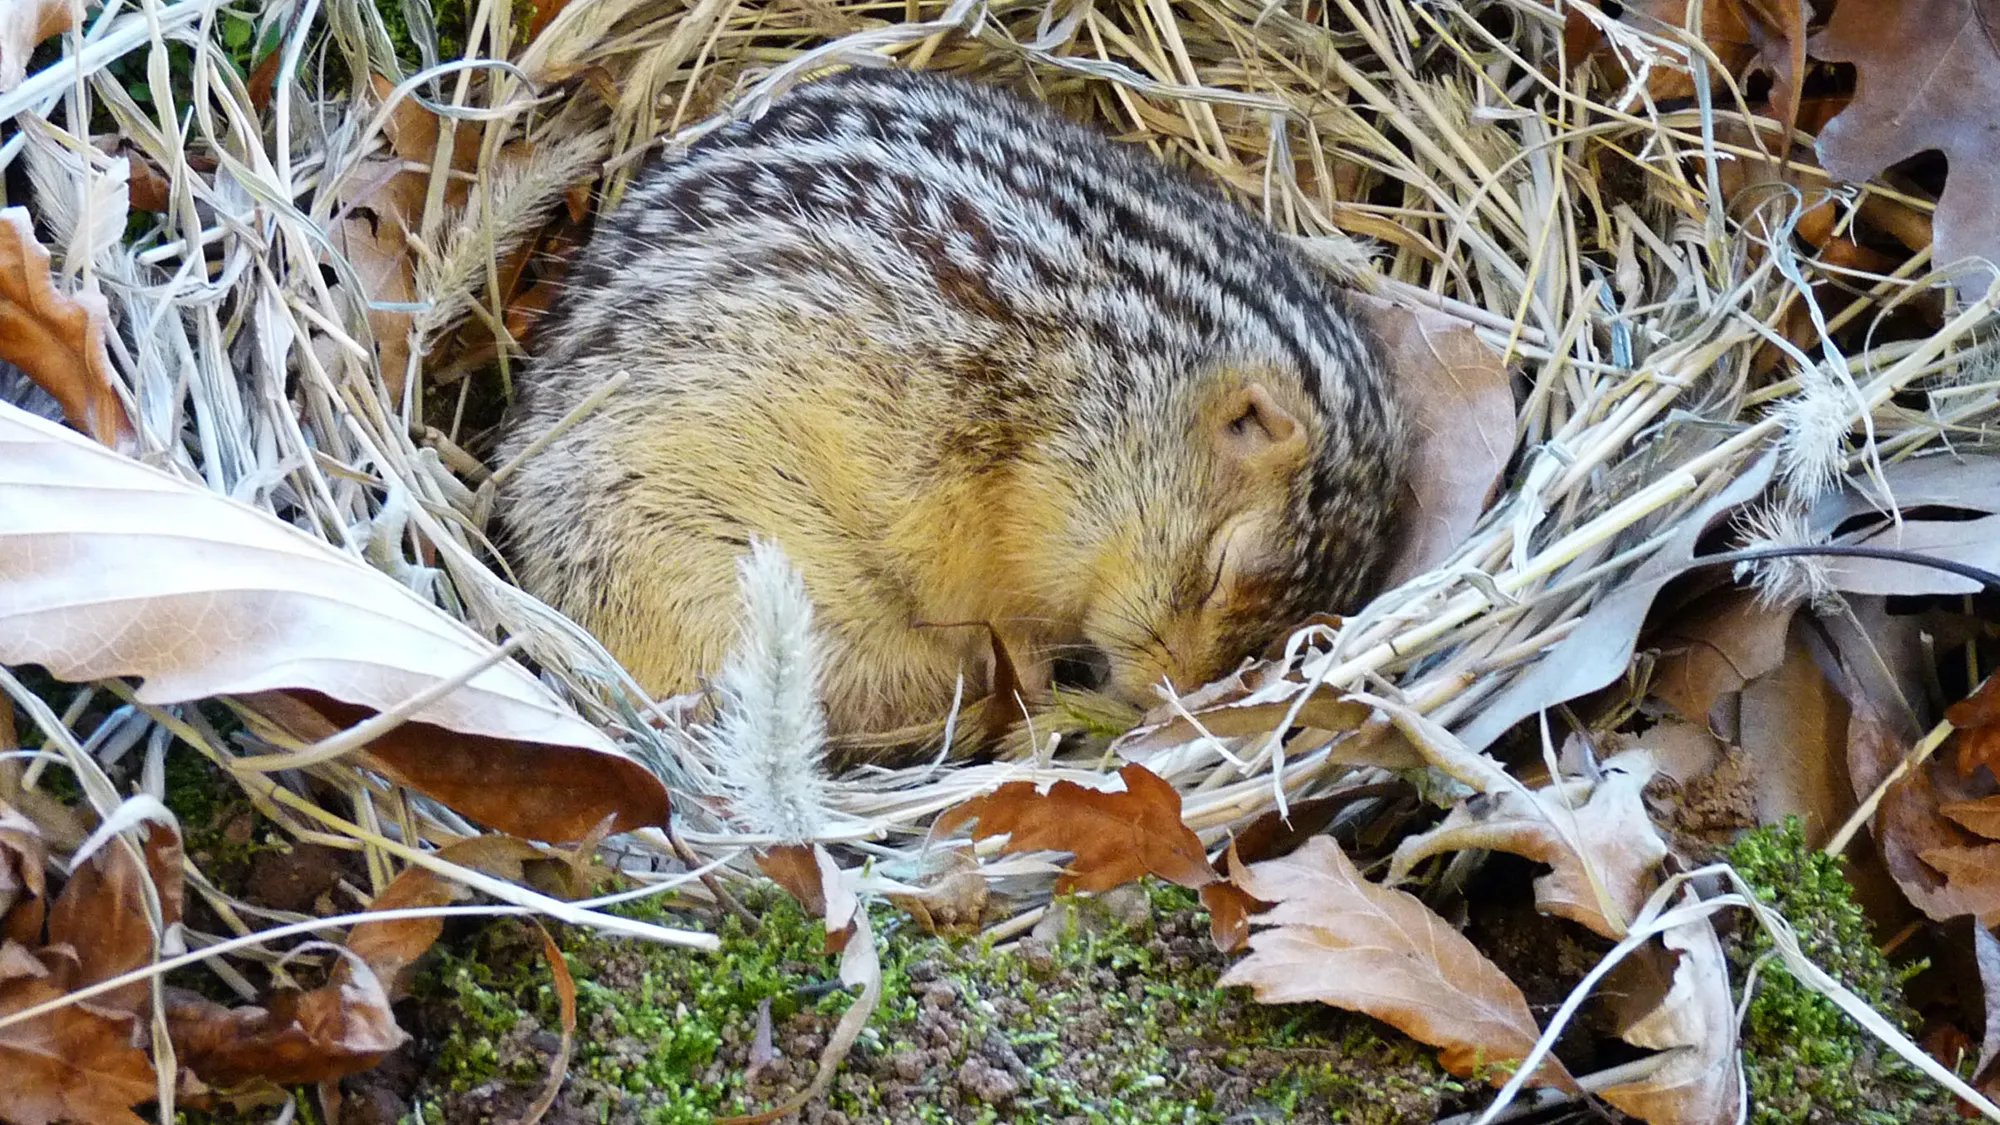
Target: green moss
(1805,1060)
(1111,1026)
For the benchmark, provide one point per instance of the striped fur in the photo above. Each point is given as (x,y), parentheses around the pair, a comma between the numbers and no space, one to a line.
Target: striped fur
(964,360)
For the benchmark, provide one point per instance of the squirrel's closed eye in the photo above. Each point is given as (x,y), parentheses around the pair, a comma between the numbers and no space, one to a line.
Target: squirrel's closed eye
(1215,582)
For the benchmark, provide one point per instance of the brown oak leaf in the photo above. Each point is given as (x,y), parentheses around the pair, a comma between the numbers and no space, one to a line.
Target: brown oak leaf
(1116,837)
(1927,77)
(1336,938)
(78,1062)
(1981,816)
(83,1061)
(1977,718)
(298,1036)
(1702,1083)
(57,339)
(1600,845)
(1743,35)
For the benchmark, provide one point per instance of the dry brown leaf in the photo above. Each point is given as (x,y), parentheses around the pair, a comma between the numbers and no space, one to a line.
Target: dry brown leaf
(1971,875)
(57,339)
(202,596)
(1743,34)
(1948,45)
(83,1061)
(1230,907)
(391,948)
(79,1062)
(382,210)
(565,989)
(23,24)
(1116,837)
(1981,816)
(1592,837)
(23,882)
(1704,1083)
(102,913)
(545,12)
(1777,31)
(338,1029)
(1977,718)
(1336,938)
(1714,647)
(1458,403)
(1941,868)
(795,869)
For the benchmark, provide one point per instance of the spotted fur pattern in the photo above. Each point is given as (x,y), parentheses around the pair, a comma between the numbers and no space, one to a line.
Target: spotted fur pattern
(956,354)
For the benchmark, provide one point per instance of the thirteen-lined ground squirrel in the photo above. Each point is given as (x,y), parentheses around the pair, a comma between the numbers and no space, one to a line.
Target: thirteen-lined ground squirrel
(969,364)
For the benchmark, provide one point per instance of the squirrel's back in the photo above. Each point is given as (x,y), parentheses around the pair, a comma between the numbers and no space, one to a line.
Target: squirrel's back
(972,366)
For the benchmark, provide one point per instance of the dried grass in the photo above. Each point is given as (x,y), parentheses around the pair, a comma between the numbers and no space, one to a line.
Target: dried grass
(1589,236)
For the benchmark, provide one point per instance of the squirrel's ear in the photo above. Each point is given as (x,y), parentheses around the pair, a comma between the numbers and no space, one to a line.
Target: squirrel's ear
(1252,427)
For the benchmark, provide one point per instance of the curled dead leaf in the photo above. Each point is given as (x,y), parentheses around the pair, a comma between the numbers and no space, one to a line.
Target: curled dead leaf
(1116,837)
(1597,839)
(1336,938)
(202,596)
(340,1028)
(1977,718)
(1703,1083)
(57,339)
(84,1060)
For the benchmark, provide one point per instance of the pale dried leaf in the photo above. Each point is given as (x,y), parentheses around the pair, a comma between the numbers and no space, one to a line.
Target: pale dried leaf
(201,596)
(1598,841)
(1703,1085)
(1793,733)
(1966,483)
(1974,542)
(1458,404)
(1986,954)
(1336,938)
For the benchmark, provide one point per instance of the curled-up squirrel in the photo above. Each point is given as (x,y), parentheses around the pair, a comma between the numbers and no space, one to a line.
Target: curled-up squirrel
(972,366)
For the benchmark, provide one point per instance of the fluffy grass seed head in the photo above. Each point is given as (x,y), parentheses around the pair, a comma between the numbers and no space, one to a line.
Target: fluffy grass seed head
(1812,433)
(1783,581)
(769,734)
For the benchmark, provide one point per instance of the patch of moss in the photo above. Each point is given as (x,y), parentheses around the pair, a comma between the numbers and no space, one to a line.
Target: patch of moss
(1805,1060)
(1111,1025)
(449,19)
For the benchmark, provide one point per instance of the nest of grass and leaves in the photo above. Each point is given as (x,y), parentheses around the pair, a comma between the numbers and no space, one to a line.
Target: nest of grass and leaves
(1660,281)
